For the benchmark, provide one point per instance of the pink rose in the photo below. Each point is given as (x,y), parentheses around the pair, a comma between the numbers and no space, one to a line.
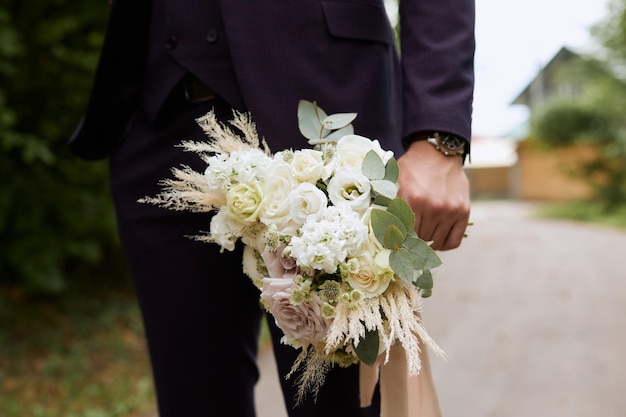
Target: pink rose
(279,266)
(302,322)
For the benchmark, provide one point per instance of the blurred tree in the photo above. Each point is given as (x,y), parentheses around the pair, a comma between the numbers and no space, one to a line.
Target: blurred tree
(599,116)
(56,219)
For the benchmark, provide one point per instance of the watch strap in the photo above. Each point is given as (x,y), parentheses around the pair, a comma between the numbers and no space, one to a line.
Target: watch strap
(439,141)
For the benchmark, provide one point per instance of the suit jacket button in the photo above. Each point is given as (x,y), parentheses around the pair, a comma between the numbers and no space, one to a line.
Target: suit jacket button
(211,36)
(171,43)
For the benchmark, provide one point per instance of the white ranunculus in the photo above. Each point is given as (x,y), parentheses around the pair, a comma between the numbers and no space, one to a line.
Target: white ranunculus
(350,187)
(302,322)
(306,200)
(351,150)
(279,183)
(244,201)
(307,165)
(224,230)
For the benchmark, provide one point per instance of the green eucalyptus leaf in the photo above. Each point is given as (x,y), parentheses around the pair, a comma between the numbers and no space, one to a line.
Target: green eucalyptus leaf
(381,200)
(425,281)
(372,166)
(392,171)
(381,220)
(338,120)
(401,261)
(367,349)
(338,134)
(384,187)
(426,293)
(403,211)
(310,118)
(424,257)
(394,237)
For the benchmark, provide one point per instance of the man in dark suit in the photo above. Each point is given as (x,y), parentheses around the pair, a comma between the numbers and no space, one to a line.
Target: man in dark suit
(166,62)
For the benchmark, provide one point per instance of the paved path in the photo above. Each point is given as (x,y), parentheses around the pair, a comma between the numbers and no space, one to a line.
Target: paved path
(532,315)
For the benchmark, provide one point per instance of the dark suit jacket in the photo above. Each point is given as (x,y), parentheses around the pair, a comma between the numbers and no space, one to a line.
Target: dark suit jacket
(340,53)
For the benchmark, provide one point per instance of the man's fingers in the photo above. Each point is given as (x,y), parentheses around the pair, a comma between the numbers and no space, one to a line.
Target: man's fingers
(445,231)
(455,236)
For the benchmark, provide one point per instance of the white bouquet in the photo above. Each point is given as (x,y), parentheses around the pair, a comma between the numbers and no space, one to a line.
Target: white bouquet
(327,241)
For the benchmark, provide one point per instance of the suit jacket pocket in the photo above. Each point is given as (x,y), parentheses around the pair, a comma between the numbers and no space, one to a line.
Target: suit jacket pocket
(358,19)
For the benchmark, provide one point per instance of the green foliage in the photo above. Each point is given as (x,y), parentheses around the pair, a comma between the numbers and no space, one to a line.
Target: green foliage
(565,123)
(367,349)
(612,35)
(410,256)
(56,218)
(383,177)
(318,127)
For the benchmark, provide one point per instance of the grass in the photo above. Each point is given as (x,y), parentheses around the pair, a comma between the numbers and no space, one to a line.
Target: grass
(585,211)
(82,354)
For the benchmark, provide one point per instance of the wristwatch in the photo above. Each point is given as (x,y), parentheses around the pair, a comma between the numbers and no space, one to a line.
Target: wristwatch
(447,144)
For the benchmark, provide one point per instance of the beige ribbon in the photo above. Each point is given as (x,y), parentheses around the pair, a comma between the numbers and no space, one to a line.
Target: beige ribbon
(401,395)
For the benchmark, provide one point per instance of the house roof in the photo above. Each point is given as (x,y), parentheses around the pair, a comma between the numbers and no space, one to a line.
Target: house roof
(564,54)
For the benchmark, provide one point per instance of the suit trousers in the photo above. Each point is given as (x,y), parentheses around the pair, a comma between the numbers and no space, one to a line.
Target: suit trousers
(201,313)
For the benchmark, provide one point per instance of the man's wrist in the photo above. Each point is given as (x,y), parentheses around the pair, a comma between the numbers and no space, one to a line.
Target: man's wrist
(447,144)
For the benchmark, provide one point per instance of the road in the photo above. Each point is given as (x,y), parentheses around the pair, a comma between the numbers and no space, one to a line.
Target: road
(532,315)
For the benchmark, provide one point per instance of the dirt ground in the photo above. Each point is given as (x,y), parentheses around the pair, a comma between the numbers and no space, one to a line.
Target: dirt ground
(532,315)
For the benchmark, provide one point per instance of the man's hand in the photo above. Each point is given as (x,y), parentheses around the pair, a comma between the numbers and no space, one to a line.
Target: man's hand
(437,189)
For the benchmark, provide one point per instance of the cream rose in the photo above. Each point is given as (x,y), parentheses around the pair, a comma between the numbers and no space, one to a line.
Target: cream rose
(244,201)
(350,187)
(302,322)
(363,276)
(304,201)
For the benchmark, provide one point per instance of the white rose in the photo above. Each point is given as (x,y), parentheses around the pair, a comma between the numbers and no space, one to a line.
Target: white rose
(350,187)
(307,165)
(276,208)
(351,150)
(244,201)
(306,200)
(300,323)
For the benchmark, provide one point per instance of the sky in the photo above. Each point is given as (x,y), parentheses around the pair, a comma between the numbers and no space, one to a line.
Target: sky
(514,39)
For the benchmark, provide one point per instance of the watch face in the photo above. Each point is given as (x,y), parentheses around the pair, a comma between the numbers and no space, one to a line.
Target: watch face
(452,142)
